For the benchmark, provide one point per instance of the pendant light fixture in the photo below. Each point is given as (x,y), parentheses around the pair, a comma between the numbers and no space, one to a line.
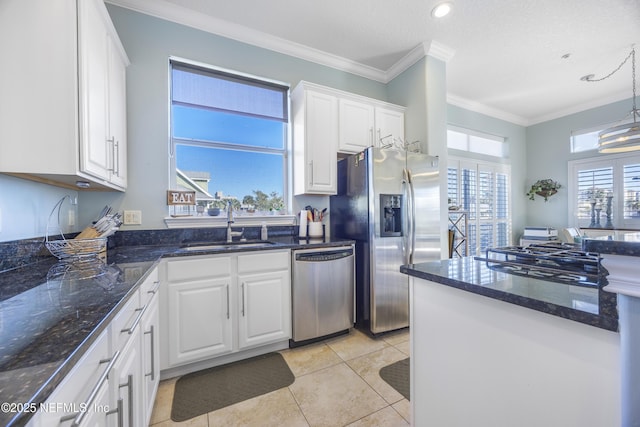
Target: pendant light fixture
(623,137)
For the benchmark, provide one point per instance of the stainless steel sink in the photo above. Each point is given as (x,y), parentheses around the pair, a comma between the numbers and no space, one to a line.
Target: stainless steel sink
(226,246)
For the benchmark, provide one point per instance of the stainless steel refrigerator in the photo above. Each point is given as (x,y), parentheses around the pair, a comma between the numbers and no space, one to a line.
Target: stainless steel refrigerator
(388,202)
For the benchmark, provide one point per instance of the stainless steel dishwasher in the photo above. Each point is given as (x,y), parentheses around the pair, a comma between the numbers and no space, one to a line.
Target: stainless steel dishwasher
(322,290)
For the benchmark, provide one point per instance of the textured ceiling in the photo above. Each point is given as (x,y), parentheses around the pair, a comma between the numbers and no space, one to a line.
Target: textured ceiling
(506,55)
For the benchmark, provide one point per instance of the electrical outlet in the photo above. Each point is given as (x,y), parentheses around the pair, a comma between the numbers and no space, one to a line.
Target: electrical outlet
(72,218)
(132,217)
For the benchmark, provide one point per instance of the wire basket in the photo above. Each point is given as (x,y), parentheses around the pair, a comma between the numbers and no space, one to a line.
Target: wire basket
(72,248)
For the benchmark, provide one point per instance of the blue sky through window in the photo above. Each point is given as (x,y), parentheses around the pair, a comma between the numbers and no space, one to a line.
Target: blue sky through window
(233,172)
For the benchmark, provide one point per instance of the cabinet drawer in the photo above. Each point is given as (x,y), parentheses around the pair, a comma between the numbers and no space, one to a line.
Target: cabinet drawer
(125,322)
(264,261)
(149,287)
(189,269)
(77,386)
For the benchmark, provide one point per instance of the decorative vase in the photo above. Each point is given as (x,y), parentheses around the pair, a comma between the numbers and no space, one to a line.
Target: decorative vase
(213,211)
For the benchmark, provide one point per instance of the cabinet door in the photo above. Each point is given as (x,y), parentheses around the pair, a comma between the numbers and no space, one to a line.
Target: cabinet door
(150,359)
(95,154)
(264,308)
(389,123)
(117,131)
(321,138)
(356,122)
(199,319)
(127,385)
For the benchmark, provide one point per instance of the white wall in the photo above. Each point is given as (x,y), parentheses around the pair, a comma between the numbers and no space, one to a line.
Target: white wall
(25,207)
(548,154)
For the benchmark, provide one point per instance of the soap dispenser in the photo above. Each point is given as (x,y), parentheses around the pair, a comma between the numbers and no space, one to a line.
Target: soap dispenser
(264,234)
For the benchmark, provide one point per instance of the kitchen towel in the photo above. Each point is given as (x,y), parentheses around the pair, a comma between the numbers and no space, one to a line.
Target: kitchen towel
(302,232)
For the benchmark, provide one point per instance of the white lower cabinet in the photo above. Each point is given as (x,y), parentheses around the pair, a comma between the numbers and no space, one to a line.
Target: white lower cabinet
(109,386)
(128,386)
(222,304)
(83,397)
(265,298)
(150,355)
(199,310)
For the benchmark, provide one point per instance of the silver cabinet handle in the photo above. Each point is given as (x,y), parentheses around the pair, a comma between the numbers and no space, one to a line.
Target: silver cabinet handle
(242,287)
(119,411)
(79,416)
(227,286)
(311,172)
(155,289)
(112,142)
(129,386)
(135,322)
(152,374)
(116,157)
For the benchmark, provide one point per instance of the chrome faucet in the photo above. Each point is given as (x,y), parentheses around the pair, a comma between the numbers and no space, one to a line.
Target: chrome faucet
(230,221)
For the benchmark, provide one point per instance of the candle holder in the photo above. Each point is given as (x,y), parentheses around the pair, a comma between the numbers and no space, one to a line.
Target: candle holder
(608,223)
(598,210)
(593,215)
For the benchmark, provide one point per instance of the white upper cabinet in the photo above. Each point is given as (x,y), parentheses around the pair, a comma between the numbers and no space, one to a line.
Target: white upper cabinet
(315,139)
(389,126)
(357,126)
(63,109)
(328,121)
(366,123)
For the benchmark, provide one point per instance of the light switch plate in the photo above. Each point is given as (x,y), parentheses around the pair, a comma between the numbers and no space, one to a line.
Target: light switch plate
(132,217)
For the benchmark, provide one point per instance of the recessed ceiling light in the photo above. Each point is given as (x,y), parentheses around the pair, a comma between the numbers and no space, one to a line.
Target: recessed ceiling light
(441,10)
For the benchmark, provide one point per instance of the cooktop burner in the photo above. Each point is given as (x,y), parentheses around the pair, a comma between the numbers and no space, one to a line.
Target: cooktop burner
(558,262)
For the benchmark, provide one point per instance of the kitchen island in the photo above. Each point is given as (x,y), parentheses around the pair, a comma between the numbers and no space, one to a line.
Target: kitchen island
(52,312)
(492,348)
(620,258)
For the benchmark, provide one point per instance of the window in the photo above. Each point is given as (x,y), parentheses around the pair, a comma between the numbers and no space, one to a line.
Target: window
(605,192)
(482,189)
(476,142)
(587,139)
(229,137)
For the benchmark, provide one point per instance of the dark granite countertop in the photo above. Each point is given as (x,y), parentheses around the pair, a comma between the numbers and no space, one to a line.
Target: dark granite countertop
(51,312)
(586,304)
(628,244)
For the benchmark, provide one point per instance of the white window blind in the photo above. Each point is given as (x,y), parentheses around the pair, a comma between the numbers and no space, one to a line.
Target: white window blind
(593,187)
(596,184)
(482,189)
(218,90)
(631,176)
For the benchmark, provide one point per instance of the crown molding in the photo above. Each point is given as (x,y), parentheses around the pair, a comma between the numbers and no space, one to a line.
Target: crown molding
(180,15)
(484,109)
(439,51)
(621,96)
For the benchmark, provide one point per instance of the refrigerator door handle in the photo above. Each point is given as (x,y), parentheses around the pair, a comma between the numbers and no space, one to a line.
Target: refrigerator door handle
(406,220)
(411,207)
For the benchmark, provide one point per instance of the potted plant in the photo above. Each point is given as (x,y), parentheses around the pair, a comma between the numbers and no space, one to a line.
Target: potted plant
(543,188)
(215,206)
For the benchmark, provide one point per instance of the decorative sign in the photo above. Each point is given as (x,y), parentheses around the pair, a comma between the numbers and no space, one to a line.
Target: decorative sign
(181,198)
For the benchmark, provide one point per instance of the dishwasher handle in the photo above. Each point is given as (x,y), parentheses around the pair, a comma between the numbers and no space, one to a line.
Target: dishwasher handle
(324,256)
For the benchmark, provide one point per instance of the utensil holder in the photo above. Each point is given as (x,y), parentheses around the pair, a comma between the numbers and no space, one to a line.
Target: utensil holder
(316,229)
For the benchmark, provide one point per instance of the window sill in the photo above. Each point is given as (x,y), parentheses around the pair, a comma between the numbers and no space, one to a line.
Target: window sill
(221,221)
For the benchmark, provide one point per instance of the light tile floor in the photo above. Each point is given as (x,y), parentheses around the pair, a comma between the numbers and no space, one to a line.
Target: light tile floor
(337,384)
